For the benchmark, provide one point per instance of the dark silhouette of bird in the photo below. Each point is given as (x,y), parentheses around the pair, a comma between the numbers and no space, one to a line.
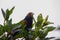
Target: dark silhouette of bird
(28,21)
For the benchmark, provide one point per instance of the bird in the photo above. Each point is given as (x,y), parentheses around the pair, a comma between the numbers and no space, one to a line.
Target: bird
(28,21)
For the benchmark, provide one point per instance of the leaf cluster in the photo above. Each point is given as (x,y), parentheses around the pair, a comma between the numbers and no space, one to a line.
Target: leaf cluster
(41,27)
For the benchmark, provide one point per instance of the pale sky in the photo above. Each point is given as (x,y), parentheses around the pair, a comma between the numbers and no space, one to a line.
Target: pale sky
(22,7)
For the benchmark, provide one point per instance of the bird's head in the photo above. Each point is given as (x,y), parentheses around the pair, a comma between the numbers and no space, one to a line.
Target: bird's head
(30,14)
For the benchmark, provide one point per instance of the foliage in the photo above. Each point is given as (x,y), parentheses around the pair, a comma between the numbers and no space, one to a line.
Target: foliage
(41,27)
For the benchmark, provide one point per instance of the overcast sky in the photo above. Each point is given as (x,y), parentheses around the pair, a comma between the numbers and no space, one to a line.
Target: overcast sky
(22,7)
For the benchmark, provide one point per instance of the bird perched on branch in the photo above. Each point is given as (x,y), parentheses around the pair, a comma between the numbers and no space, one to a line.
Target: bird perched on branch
(28,20)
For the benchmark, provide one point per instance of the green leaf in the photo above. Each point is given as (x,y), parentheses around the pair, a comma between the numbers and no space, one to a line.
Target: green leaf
(3,13)
(47,23)
(39,20)
(49,28)
(45,20)
(7,28)
(44,32)
(9,23)
(48,38)
(11,10)
(41,35)
(8,13)
(1,25)
(1,30)
(22,33)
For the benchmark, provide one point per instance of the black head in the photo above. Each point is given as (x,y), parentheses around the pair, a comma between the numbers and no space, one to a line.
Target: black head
(30,14)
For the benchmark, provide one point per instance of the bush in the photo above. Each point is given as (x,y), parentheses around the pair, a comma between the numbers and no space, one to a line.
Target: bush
(41,28)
